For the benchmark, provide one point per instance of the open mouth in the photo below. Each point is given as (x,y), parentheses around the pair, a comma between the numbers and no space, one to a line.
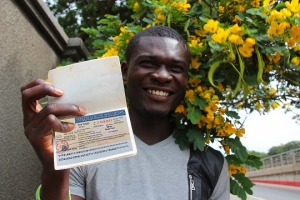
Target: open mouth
(158,92)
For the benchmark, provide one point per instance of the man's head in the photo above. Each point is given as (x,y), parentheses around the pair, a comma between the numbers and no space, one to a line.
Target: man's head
(156,72)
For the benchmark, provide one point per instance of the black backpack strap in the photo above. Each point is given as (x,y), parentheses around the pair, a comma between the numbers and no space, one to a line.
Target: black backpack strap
(204,169)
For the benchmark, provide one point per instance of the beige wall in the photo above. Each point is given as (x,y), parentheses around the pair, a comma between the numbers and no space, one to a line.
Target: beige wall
(25,55)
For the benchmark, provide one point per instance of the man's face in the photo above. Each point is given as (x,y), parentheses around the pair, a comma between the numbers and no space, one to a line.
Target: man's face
(156,76)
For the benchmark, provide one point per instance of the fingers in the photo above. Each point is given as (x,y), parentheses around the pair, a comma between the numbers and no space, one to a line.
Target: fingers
(42,134)
(31,93)
(39,89)
(41,137)
(58,110)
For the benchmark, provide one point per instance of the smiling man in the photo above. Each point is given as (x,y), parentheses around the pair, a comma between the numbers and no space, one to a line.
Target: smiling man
(157,62)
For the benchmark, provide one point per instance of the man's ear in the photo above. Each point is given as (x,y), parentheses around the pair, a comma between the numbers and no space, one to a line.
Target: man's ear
(124,69)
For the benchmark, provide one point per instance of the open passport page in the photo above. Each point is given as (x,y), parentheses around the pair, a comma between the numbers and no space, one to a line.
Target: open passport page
(105,132)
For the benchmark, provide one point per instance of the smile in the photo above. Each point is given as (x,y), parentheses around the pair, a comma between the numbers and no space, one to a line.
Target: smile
(158,92)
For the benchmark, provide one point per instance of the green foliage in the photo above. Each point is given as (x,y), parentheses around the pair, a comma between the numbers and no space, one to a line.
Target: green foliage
(283,148)
(77,14)
(240,185)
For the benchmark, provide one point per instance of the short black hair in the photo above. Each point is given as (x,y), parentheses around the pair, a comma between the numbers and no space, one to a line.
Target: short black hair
(156,31)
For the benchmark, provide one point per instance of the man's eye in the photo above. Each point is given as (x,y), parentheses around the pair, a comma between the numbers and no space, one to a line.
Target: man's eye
(176,67)
(147,63)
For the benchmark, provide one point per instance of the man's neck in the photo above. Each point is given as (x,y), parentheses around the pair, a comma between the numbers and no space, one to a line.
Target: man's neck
(150,130)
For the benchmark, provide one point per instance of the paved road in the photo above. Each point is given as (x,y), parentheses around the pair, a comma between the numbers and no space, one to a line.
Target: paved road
(272,192)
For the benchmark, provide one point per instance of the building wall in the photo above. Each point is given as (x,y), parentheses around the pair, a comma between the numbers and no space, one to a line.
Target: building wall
(24,56)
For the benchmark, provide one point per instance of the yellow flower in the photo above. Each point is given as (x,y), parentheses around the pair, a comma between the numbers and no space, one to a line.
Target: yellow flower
(218,120)
(195,64)
(229,129)
(255,3)
(237,30)
(293,6)
(285,13)
(240,132)
(215,99)
(297,47)
(211,26)
(295,33)
(221,9)
(194,82)
(243,170)
(110,52)
(291,42)
(232,170)
(250,42)
(235,39)
(258,106)
(180,109)
(246,51)
(201,121)
(236,20)
(221,133)
(158,11)
(226,149)
(222,111)
(195,43)
(209,121)
(221,88)
(268,3)
(275,57)
(221,35)
(200,32)
(182,6)
(211,108)
(135,6)
(268,68)
(276,29)
(190,95)
(274,105)
(274,15)
(241,8)
(295,61)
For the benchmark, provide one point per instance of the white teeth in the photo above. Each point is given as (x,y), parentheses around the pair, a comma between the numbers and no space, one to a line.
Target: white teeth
(158,92)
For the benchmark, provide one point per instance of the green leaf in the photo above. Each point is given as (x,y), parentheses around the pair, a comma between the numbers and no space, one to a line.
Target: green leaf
(197,137)
(181,139)
(236,189)
(254,161)
(232,159)
(193,113)
(280,6)
(238,149)
(250,80)
(232,114)
(200,102)
(244,181)
(149,21)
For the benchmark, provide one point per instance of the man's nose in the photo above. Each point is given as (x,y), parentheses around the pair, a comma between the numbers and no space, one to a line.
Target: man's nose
(161,74)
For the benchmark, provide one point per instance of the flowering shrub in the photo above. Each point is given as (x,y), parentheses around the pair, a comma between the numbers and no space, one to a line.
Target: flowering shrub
(245,55)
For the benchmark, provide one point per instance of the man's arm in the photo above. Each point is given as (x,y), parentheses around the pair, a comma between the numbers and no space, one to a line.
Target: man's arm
(39,127)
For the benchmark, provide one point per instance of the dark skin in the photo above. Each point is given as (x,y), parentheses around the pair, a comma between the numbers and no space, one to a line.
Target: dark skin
(156,78)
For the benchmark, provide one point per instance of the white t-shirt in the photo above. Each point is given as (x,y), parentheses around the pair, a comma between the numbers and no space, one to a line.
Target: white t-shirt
(157,172)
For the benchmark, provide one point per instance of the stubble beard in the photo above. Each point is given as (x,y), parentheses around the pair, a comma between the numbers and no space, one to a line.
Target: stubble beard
(156,114)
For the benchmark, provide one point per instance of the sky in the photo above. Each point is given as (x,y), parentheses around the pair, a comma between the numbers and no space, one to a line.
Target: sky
(272,129)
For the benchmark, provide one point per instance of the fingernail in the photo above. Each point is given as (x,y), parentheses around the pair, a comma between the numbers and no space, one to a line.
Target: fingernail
(46,82)
(71,125)
(82,110)
(58,91)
